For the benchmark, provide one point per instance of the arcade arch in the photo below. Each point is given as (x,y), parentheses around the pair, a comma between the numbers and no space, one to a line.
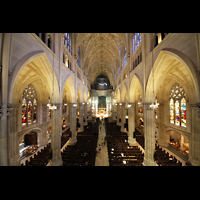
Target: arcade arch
(32,70)
(36,69)
(171,67)
(69,90)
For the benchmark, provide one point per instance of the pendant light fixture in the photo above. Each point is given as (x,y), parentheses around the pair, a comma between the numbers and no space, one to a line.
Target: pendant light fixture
(154,104)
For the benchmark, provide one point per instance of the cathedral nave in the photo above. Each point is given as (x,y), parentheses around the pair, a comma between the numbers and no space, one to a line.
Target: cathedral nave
(62,93)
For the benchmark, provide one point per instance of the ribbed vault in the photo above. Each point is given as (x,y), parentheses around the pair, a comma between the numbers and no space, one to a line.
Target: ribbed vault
(101,53)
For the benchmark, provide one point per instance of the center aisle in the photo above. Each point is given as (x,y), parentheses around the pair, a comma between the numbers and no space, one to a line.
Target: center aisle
(102,157)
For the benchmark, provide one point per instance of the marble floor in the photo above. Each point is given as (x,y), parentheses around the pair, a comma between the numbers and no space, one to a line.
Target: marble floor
(102,157)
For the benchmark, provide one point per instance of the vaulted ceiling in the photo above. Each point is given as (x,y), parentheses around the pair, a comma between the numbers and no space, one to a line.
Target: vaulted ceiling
(101,53)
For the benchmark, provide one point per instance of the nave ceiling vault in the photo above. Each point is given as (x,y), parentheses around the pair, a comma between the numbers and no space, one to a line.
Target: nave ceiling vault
(101,53)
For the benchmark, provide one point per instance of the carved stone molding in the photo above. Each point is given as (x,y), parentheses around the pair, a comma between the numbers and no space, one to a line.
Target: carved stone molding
(1,112)
(196,106)
(147,106)
(75,57)
(128,56)
(198,111)
(9,111)
(132,104)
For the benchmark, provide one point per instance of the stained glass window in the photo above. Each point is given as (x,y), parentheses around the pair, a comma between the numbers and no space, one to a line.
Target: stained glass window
(34,110)
(24,106)
(29,106)
(171,103)
(125,58)
(136,41)
(183,112)
(177,104)
(29,112)
(68,42)
(79,59)
(177,115)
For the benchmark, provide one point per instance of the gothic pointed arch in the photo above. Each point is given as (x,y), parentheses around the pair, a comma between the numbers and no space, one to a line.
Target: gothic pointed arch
(136,89)
(34,68)
(69,89)
(173,65)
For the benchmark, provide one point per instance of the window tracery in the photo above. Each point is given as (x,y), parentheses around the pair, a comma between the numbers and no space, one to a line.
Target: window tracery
(68,42)
(29,106)
(125,58)
(136,41)
(177,103)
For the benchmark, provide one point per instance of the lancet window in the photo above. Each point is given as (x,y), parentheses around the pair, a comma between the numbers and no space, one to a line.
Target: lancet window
(68,42)
(136,41)
(29,106)
(177,103)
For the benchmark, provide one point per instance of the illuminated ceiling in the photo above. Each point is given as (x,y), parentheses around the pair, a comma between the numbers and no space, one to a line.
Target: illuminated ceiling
(101,53)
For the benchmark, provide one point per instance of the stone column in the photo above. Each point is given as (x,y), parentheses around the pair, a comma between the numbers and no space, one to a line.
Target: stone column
(194,150)
(73,138)
(4,94)
(118,114)
(181,143)
(85,114)
(162,136)
(68,116)
(122,117)
(149,130)
(81,129)
(86,123)
(13,144)
(56,136)
(131,124)
(44,139)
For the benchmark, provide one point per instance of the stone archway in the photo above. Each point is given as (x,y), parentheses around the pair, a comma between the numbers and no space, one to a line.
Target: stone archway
(171,66)
(36,68)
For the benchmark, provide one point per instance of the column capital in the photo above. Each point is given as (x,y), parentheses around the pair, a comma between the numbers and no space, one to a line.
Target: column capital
(128,56)
(75,57)
(146,105)
(10,109)
(72,104)
(9,112)
(61,34)
(132,104)
(1,112)
(196,106)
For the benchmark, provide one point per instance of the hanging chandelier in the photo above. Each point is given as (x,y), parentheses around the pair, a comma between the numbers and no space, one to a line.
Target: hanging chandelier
(154,105)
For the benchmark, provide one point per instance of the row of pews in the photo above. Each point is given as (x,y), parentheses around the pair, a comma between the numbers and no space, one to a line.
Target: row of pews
(43,157)
(119,151)
(139,138)
(65,137)
(163,159)
(83,152)
(40,159)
